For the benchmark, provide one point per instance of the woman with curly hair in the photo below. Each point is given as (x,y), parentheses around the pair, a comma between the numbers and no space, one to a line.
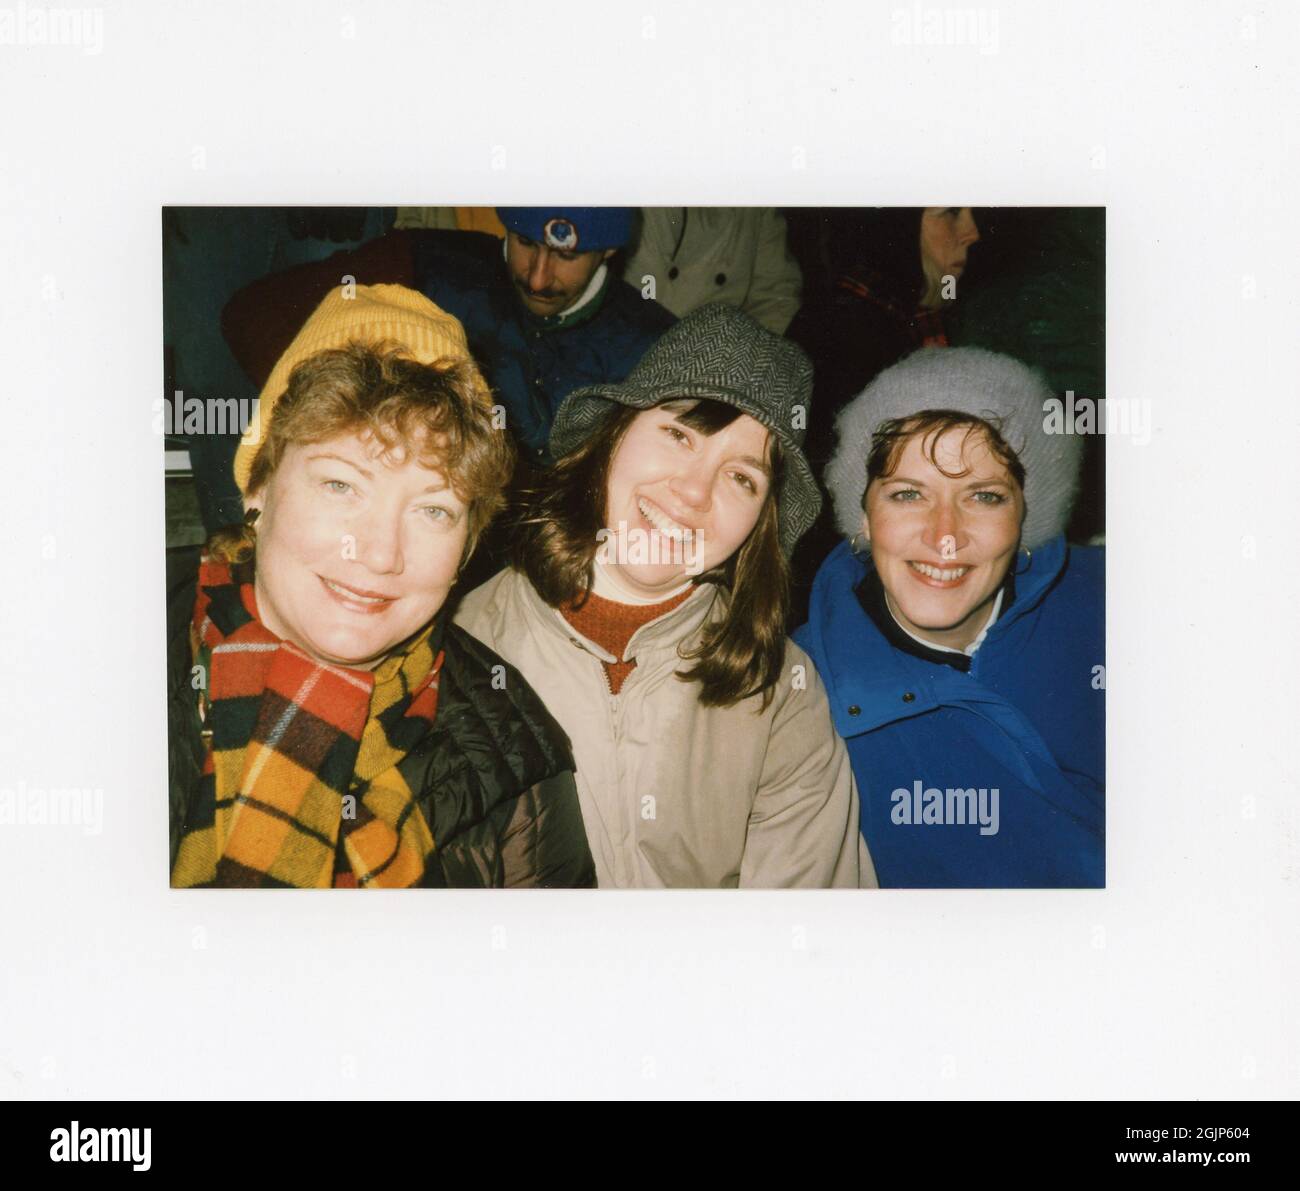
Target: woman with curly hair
(329,726)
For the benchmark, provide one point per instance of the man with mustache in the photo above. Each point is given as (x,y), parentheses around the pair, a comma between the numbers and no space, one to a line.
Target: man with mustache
(544,312)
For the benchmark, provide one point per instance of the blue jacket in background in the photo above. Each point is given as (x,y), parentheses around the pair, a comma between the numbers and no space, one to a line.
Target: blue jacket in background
(532,363)
(1028,720)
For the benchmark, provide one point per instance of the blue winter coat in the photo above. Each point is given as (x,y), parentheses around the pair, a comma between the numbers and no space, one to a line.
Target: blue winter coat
(1027,720)
(531,364)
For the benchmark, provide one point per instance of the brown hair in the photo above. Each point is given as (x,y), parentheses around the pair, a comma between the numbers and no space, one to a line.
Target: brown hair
(892,437)
(741,654)
(440,409)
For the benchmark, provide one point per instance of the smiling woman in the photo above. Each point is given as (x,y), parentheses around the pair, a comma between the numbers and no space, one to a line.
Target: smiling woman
(959,635)
(328,726)
(942,514)
(361,531)
(648,607)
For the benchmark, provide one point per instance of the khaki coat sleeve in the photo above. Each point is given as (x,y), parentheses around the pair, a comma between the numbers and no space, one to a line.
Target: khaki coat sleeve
(803,828)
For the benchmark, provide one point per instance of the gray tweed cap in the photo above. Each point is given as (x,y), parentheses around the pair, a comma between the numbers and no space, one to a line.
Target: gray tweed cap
(970,380)
(716,352)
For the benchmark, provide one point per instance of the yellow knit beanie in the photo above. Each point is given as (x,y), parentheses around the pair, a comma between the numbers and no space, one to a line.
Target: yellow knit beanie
(365,314)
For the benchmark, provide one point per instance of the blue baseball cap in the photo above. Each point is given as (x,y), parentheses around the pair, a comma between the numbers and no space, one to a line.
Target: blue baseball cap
(571,229)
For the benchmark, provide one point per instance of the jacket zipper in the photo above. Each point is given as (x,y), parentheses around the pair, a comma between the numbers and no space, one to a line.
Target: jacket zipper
(613,699)
(629,829)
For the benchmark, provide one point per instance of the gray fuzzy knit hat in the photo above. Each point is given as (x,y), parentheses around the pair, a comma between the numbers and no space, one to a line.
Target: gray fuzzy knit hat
(969,380)
(718,353)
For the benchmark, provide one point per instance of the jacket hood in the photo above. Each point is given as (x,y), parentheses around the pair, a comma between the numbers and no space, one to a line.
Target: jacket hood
(868,681)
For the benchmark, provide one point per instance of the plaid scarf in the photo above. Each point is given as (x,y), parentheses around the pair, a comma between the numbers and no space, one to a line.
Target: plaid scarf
(302,756)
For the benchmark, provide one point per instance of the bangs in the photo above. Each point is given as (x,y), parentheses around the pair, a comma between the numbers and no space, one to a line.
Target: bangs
(438,414)
(891,439)
(707,417)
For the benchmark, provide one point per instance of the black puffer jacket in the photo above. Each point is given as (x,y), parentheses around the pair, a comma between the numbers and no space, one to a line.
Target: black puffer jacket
(494,777)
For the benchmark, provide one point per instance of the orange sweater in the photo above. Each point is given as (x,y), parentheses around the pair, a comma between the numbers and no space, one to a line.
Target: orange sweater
(611,626)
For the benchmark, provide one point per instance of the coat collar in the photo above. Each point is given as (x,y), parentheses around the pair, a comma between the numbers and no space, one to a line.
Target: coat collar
(869,682)
(660,635)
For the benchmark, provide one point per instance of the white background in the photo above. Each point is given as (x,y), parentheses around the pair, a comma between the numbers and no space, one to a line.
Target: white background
(1177,981)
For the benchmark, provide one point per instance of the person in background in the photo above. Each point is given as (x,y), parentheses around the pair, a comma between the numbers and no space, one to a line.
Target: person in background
(328,726)
(960,637)
(887,297)
(648,608)
(894,272)
(542,311)
(695,255)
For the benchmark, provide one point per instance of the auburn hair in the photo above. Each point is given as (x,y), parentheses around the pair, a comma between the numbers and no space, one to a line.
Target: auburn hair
(892,437)
(559,532)
(440,411)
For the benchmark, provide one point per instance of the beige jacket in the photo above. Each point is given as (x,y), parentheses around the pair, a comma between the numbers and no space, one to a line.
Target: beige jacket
(736,255)
(675,794)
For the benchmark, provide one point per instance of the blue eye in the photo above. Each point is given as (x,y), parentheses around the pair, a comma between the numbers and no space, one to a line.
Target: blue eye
(338,486)
(441,516)
(904,495)
(995,498)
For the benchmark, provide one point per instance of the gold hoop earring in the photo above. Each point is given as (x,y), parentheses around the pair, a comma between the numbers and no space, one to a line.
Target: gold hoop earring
(863,550)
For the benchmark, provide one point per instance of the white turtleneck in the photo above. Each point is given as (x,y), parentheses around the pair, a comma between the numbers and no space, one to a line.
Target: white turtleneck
(607,583)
